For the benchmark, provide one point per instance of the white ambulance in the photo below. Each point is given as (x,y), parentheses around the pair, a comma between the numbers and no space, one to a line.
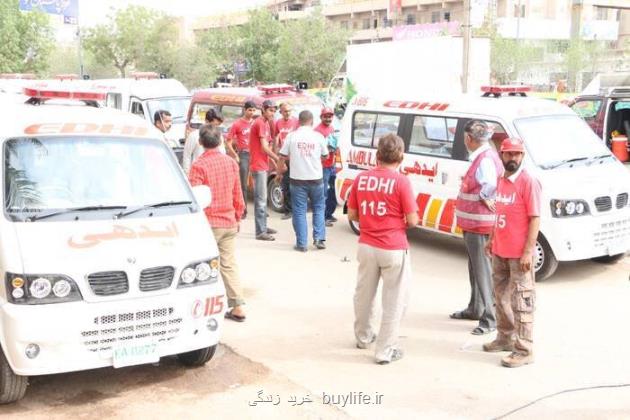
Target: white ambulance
(585,207)
(143,94)
(106,256)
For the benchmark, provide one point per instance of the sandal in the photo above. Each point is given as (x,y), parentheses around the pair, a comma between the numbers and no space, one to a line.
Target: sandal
(233,317)
(463,315)
(482,330)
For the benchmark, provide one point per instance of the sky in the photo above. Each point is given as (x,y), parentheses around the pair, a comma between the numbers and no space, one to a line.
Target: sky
(94,12)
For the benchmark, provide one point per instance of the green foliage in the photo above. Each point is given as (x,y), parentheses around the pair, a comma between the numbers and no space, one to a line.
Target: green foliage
(510,56)
(27,39)
(582,56)
(316,56)
(135,37)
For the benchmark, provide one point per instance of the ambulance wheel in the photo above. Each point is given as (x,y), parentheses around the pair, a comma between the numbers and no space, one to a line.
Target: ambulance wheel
(275,196)
(197,357)
(355,227)
(545,262)
(608,259)
(12,386)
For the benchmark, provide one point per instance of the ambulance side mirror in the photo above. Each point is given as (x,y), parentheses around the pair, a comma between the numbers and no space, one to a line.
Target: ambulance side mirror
(203,195)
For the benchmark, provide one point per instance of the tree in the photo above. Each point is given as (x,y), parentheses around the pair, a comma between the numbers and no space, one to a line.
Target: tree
(133,37)
(27,39)
(317,55)
(510,56)
(582,56)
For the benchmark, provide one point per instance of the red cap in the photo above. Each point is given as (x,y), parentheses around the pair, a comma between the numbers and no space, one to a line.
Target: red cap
(512,145)
(326,111)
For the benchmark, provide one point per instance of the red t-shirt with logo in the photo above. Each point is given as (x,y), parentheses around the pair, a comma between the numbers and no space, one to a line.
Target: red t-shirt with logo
(383,198)
(284,127)
(518,199)
(326,130)
(258,159)
(239,131)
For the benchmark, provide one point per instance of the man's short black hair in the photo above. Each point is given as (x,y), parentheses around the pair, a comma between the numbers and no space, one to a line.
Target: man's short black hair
(213,114)
(305,117)
(209,137)
(249,104)
(160,114)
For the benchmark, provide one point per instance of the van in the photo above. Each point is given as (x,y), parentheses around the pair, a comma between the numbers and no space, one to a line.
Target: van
(143,94)
(230,102)
(106,256)
(585,210)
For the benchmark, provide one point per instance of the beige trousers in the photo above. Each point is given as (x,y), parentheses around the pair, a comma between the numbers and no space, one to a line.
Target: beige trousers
(226,241)
(394,267)
(515,299)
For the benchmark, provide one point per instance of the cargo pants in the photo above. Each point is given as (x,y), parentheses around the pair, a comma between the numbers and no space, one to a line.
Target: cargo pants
(515,298)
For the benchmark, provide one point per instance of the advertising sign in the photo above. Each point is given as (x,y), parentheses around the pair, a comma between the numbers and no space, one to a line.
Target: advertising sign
(69,9)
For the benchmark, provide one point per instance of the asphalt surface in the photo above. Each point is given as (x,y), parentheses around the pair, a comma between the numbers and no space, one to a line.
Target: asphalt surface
(297,345)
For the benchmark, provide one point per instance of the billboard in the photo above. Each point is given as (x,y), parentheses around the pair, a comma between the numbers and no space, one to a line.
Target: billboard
(69,9)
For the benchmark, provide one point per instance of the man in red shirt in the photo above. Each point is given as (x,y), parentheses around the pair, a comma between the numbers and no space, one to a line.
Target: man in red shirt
(512,245)
(260,149)
(238,137)
(285,125)
(325,128)
(220,172)
(383,203)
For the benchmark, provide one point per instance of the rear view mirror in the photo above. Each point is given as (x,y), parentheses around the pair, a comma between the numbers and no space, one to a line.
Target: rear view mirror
(203,195)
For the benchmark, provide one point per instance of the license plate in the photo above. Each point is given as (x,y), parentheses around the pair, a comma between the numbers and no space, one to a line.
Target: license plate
(136,354)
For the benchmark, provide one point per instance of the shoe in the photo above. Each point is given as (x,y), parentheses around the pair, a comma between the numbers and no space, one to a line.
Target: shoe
(397,354)
(482,330)
(300,248)
(319,244)
(286,216)
(329,223)
(361,345)
(332,219)
(517,360)
(497,346)
(463,315)
(233,317)
(265,237)
(271,231)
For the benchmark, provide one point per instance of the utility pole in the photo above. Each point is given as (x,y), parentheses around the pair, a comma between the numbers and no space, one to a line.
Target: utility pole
(81,70)
(576,22)
(466,44)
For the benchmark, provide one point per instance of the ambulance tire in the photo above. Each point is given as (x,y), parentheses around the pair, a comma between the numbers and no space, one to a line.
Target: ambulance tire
(12,386)
(197,358)
(355,227)
(549,263)
(609,259)
(275,196)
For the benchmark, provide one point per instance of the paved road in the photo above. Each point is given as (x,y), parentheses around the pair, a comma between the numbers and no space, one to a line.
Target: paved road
(297,343)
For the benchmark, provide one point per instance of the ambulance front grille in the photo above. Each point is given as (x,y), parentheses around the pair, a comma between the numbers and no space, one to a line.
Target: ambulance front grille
(109,283)
(156,278)
(159,325)
(603,203)
(622,200)
(612,233)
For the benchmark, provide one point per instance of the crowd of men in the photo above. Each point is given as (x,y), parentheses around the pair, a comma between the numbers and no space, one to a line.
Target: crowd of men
(498,209)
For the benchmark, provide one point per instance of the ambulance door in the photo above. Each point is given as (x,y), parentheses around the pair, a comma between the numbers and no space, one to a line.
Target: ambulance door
(430,165)
(136,108)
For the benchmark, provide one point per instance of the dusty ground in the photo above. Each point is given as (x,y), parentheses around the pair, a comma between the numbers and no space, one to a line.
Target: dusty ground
(298,342)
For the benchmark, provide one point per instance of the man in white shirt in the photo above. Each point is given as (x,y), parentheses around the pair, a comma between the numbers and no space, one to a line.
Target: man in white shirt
(163,121)
(192,148)
(305,148)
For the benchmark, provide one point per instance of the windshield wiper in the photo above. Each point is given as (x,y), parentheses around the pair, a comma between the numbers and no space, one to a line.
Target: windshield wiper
(564,162)
(152,206)
(601,156)
(71,210)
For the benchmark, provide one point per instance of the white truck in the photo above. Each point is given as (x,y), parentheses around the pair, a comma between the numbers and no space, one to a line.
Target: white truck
(432,66)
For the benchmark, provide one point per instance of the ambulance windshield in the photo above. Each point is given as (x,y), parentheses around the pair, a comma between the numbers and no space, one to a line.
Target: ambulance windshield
(49,174)
(178,107)
(557,139)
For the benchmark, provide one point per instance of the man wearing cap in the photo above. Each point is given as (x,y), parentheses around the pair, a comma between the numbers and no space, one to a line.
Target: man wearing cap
(325,128)
(511,245)
(475,216)
(260,149)
(238,136)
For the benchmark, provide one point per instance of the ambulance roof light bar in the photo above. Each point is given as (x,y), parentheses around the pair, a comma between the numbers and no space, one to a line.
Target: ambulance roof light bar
(277,88)
(145,75)
(26,76)
(38,96)
(66,76)
(497,91)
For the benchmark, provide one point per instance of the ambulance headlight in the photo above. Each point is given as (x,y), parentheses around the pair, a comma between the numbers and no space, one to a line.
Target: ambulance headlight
(568,208)
(36,289)
(199,273)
